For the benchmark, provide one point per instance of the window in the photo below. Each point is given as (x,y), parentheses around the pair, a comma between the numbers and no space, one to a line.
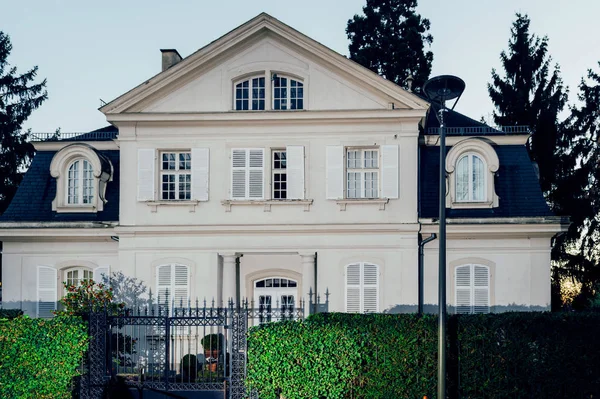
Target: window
(470,179)
(176,175)
(80,183)
(247,169)
(279,169)
(172,286)
(472,289)
(362,288)
(250,94)
(362,173)
(76,276)
(288,93)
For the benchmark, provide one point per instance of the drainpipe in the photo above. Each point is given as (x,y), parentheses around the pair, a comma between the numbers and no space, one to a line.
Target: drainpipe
(422,243)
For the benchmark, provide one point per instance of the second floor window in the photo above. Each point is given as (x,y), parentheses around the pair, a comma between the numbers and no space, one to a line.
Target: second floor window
(470,179)
(279,174)
(80,183)
(288,93)
(362,173)
(250,94)
(176,175)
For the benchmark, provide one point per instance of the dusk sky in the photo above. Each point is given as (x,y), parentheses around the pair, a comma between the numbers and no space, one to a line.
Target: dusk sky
(98,50)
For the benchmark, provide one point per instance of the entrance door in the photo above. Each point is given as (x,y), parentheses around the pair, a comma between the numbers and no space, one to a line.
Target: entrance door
(275,297)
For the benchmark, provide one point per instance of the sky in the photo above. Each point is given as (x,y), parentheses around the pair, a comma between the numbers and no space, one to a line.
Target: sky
(97,50)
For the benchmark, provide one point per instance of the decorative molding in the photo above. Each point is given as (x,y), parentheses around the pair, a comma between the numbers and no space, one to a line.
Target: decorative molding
(267,203)
(155,204)
(59,145)
(433,140)
(363,201)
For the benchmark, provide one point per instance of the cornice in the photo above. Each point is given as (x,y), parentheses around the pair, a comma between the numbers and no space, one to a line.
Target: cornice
(59,145)
(513,139)
(486,228)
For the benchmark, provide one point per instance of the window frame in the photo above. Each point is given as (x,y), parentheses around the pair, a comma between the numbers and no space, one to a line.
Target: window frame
(471,289)
(288,88)
(362,285)
(177,172)
(80,179)
(281,171)
(251,99)
(470,177)
(362,171)
(82,269)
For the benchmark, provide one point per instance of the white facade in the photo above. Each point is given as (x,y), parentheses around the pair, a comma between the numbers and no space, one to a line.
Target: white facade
(189,109)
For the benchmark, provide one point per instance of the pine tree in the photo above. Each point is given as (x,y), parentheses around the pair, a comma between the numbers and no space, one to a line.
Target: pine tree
(390,39)
(18,98)
(577,191)
(530,94)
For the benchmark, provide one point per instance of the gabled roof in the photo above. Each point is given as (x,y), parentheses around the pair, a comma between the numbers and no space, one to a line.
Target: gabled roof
(251,29)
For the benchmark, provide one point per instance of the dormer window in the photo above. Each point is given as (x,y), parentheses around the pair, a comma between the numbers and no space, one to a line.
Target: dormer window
(470,179)
(288,93)
(80,183)
(250,94)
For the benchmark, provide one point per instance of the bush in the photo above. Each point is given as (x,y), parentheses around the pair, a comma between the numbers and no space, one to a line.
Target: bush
(212,342)
(338,356)
(39,357)
(10,313)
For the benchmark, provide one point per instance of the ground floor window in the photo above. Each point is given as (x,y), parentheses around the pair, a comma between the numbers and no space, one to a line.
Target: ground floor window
(275,297)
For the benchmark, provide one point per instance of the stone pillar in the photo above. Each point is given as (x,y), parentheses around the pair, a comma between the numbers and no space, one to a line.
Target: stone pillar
(229,283)
(308,279)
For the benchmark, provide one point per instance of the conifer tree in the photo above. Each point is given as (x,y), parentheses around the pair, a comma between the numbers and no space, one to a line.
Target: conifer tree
(390,39)
(19,97)
(530,93)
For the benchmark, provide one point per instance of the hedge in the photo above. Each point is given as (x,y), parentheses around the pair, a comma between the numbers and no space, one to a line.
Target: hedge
(39,357)
(10,313)
(509,355)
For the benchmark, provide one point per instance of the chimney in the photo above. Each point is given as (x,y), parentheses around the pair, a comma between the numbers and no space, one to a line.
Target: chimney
(170,57)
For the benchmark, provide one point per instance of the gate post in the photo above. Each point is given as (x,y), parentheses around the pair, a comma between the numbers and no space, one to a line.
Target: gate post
(239,328)
(93,383)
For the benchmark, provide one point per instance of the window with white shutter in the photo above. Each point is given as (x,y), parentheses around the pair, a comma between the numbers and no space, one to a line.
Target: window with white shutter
(362,288)
(472,289)
(247,173)
(295,171)
(172,286)
(334,165)
(102,274)
(200,173)
(47,284)
(146,177)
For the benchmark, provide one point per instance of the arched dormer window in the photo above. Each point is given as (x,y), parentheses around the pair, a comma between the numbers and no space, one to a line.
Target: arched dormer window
(80,183)
(471,165)
(81,175)
(288,93)
(250,94)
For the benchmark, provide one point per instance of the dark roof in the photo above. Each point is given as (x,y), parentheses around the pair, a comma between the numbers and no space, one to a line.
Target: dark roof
(33,200)
(516,184)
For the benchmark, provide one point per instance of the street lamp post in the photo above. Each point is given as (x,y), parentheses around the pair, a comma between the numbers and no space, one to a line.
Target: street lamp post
(439,90)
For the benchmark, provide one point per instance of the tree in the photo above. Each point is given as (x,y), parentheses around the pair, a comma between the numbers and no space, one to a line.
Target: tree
(19,97)
(577,192)
(390,40)
(530,94)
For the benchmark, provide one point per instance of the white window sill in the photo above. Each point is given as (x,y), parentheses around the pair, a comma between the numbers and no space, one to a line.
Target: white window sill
(472,205)
(76,209)
(155,204)
(268,203)
(363,201)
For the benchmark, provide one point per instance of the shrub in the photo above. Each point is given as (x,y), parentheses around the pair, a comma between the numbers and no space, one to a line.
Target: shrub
(189,367)
(334,356)
(212,342)
(39,357)
(88,297)
(10,313)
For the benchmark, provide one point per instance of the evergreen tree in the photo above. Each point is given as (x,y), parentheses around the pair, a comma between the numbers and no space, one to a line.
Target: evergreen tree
(19,96)
(576,191)
(390,39)
(530,94)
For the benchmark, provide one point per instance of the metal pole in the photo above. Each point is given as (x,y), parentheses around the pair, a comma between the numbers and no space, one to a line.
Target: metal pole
(442,264)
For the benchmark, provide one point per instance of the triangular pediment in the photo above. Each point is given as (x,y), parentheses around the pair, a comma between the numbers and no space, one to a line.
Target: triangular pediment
(202,82)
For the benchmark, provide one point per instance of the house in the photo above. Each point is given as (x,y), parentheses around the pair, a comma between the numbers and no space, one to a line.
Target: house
(265,166)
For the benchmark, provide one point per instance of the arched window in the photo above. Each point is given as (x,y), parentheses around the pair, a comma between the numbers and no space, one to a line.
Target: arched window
(362,288)
(472,289)
(250,94)
(76,275)
(470,179)
(172,285)
(80,183)
(288,93)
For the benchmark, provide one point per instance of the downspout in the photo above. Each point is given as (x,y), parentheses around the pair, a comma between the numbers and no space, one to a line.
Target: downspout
(316,309)
(422,243)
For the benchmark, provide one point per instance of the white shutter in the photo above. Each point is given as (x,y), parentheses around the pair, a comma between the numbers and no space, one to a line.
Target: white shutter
(389,171)
(370,288)
(181,285)
(481,289)
(353,288)
(334,166)
(200,173)
(256,170)
(164,290)
(295,171)
(462,289)
(146,176)
(99,274)
(47,284)
(238,174)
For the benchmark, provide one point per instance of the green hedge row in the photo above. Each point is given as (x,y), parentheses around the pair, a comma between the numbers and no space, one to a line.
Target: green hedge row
(10,313)
(510,355)
(39,357)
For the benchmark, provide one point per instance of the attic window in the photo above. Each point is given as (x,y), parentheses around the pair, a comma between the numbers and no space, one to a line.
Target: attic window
(81,175)
(288,93)
(250,94)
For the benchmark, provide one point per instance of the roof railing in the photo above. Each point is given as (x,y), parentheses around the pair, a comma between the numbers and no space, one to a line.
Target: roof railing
(73,136)
(474,130)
